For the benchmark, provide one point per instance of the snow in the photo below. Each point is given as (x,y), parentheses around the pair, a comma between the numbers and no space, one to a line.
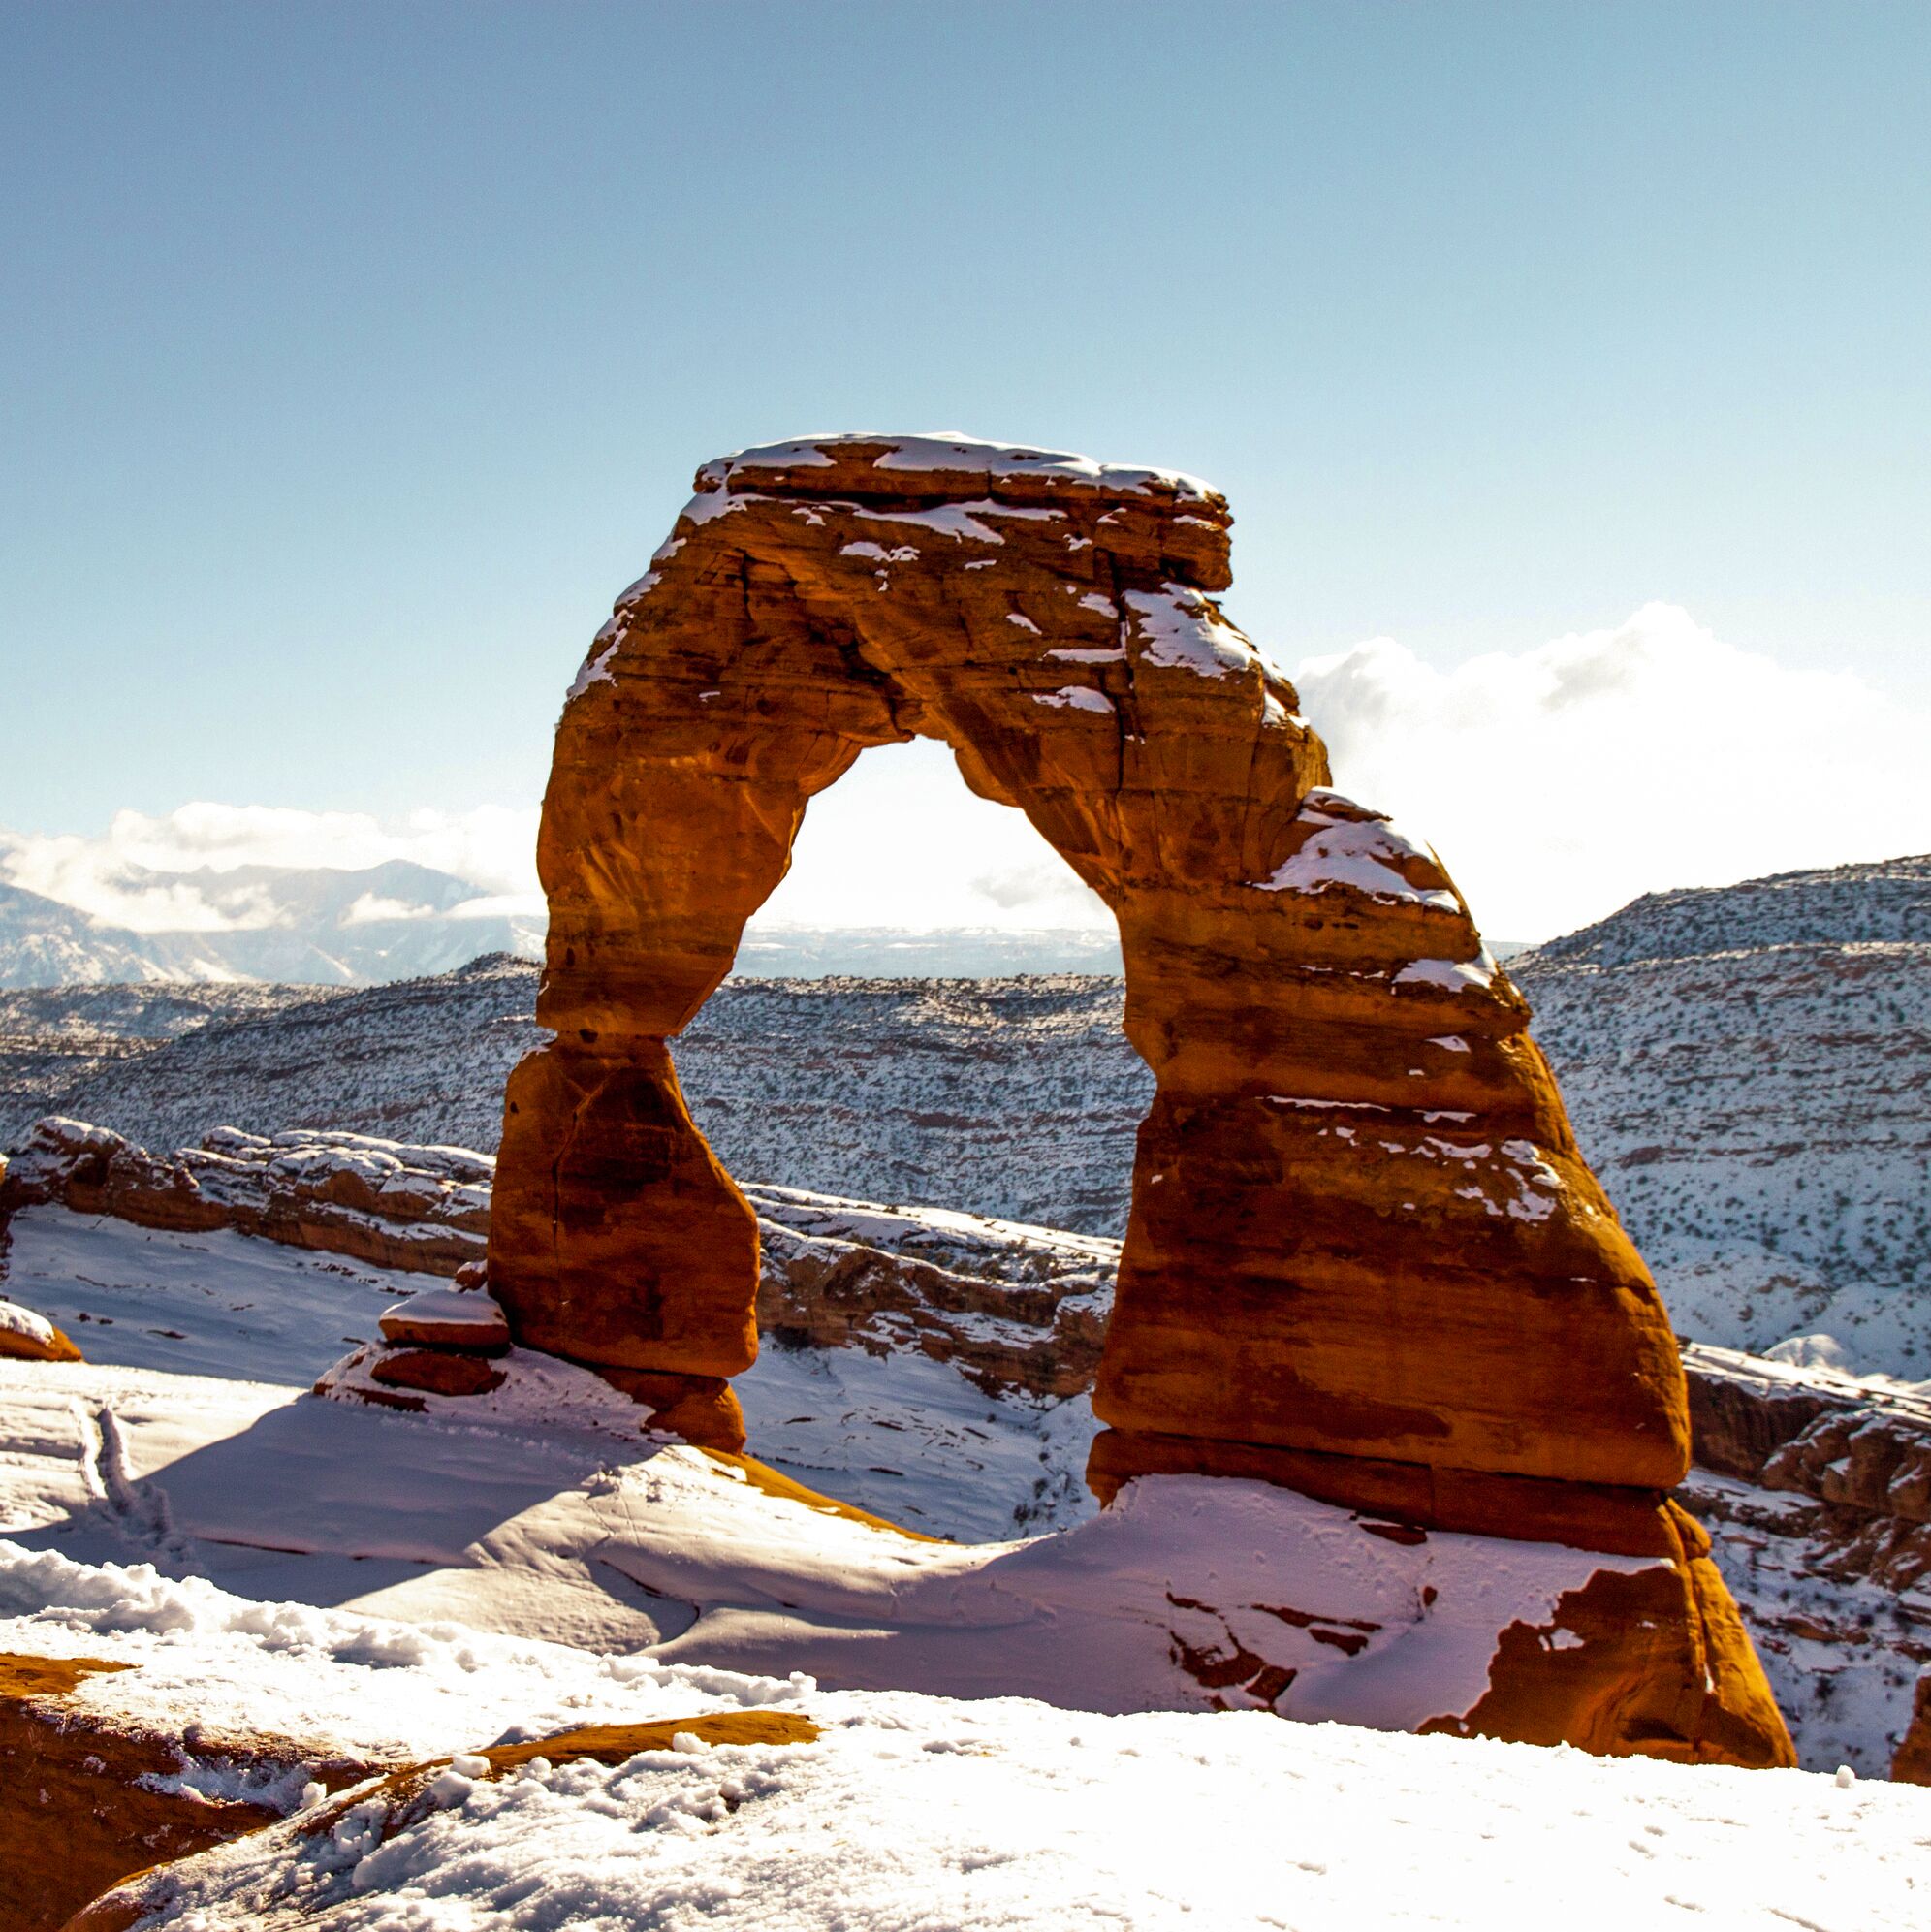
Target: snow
(25,1324)
(372,1685)
(455,1308)
(705,507)
(947,451)
(214,1302)
(919,1812)
(480,1518)
(913,1441)
(541,1515)
(962,521)
(1348,1106)
(1024,622)
(1181,630)
(904,553)
(1075,697)
(1366,854)
(1452,975)
(595,669)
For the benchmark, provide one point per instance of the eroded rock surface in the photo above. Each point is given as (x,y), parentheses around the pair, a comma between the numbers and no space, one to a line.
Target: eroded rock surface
(1857,1450)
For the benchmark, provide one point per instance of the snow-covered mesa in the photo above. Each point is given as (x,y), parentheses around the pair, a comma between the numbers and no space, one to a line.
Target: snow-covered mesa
(1745,1068)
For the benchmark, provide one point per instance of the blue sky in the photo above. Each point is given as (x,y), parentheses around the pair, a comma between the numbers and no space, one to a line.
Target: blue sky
(353,355)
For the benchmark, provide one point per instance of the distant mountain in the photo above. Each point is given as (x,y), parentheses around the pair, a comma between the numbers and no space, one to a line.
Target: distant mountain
(1016,1098)
(890,952)
(324,927)
(317,926)
(1888,900)
(44,943)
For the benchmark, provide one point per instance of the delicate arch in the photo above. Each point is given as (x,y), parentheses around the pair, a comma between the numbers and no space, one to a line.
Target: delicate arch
(1365,1260)
(1363,1251)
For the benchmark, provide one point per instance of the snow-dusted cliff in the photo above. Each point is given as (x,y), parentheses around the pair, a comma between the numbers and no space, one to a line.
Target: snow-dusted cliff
(1749,1072)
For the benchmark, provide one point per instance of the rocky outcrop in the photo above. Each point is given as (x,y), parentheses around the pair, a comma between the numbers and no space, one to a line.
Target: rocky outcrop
(1816,1486)
(457,1318)
(25,1336)
(397,1206)
(258,1884)
(1859,1451)
(1362,1237)
(96,1786)
(1016,1308)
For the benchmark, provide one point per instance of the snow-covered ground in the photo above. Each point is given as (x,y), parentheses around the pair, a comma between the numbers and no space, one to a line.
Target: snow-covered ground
(905,1436)
(540,1511)
(916,1813)
(274,1497)
(914,1441)
(427,1585)
(212,1303)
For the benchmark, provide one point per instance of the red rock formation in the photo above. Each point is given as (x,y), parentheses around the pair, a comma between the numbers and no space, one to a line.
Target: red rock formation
(28,1337)
(463,1317)
(1362,1239)
(91,1791)
(397,1206)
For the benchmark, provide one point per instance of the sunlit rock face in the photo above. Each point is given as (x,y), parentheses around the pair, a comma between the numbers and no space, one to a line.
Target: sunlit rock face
(1365,1257)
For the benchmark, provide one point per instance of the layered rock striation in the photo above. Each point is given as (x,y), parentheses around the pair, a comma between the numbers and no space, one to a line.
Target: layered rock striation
(384,1201)
(1365,1257)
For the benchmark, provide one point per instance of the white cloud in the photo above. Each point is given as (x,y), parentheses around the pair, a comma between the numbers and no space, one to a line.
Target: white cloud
(493,847)
(1559,782)
(502,906)
(372,907)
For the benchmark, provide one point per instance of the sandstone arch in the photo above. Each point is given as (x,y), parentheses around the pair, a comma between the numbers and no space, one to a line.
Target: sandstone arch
(1365,1257)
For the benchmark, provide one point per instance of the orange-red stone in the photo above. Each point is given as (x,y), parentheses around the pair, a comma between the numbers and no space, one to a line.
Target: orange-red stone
(1361,1229)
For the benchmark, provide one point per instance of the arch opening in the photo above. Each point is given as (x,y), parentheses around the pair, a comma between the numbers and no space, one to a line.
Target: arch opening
(927,1060)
